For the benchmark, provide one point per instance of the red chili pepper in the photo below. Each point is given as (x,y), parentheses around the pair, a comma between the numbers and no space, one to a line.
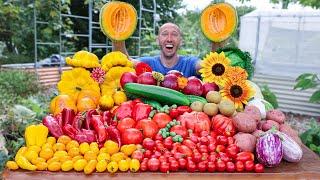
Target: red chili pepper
(114,134)
(70,131)
(141,111)
(67,116)
(174,113)
(88,116)
(245,156)
(142,67)
(183,109)
(99,128)
(232,150)
(124,110)
(53,126)
(106,117)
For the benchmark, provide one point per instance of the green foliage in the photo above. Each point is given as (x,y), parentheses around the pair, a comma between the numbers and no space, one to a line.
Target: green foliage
(309,81)
(311,137)
(269,96)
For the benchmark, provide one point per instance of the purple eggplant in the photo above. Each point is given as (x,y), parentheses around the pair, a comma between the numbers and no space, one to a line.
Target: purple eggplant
(269,149)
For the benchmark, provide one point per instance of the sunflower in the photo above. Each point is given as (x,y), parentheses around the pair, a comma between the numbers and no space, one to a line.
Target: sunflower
(237,91)
(214,68)
(236,73)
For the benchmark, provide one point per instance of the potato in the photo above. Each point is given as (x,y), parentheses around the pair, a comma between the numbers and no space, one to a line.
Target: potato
(244,122)
(257,133)
(245,141)
(269,124)
(260,124)
(254,112)
(276,115)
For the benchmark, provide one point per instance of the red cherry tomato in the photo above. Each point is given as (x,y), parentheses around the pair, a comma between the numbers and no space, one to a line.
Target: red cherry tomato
(230,167)
(220,165)
(203,148)
(249,165)
(149,144)
(168,142)
(153,164)
(212,158)
(190,144)
(162,159)
(144,166)
(259,168)
(220,148)
(211,166)
(174,165)
(230,140)
(202,166)
(239,166)
(223,140)
(164,167)
(182,163)
(224,157)
(196,157)
(147,153)
(211,147)
(191,167)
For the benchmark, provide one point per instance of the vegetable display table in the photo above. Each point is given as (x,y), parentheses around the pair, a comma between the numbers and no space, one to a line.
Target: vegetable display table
(307,168)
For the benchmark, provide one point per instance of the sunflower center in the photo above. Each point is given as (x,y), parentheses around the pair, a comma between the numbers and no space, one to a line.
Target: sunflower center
(78,88)
(218,69)
(236,91)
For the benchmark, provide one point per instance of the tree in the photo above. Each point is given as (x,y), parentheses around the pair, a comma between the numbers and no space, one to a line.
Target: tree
(285,3)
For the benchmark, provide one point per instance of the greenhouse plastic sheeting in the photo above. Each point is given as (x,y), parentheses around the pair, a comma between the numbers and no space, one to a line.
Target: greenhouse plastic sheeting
(282,42)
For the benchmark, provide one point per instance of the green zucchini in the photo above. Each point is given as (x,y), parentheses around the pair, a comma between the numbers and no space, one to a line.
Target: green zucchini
(193,98)
(160,94)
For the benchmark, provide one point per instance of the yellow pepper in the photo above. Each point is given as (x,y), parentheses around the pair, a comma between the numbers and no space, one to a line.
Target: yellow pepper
(23,163)
(30,135)
(36,135)
(42,133)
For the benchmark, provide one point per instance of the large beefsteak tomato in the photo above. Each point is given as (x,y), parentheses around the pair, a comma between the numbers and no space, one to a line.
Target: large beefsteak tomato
(223,125)
(196,121)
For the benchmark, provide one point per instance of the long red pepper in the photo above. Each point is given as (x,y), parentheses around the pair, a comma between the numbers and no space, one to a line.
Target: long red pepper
(106,117)
(114,134)
(67,116)
(88,118)
(70,131)
(53,126)
(141,111)
(124,110)
(99,128)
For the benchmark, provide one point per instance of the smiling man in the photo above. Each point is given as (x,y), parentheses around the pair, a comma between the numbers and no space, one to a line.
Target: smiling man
(169,40)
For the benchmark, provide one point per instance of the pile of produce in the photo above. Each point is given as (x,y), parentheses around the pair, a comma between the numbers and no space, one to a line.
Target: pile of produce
(110,116)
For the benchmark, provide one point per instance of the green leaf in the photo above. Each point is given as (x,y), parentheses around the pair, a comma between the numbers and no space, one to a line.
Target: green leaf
(315,97)
(304,76)
(305,84)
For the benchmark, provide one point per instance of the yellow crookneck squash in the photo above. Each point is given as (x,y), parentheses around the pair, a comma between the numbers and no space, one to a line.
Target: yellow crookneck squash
(218,21)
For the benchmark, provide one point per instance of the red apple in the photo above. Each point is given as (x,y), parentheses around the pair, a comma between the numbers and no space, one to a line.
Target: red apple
(194,86)
(128,77)
(146,78)
(209,87)
(175,72)
(170,81)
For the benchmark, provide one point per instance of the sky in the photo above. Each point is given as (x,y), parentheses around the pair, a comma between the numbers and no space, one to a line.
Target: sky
(259,4)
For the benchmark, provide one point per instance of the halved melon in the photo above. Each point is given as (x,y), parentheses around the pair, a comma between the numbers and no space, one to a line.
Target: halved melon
(218,21)
(118,20)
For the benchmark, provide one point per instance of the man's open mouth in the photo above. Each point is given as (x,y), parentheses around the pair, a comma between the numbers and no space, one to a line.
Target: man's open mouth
(169,46)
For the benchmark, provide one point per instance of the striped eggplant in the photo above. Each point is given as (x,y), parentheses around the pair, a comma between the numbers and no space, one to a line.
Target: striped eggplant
(292,152)
(269,149)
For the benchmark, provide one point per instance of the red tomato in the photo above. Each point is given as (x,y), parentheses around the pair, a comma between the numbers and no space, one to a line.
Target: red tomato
(204,134)
(196,121)
(259,168)
(162,159)
(153,164)
(230,167)
(148,127)
(223,156)
(182,163)
(220,165)
(204,140)
(137,154)
(131,136)
(147,153)
(171,159)
(196,157)
(202,166)
(212,158)
(164,167)
(232,150)
(194,138)
(211,147)
(203,148)
(183,109)
(191,166)
(185,150)
(158,137)
(149,144)
(211,166)
(144,166)
(157,154)
(220,148)
(167,154)
(249,165)
(174,165)
(174,113)
(205,156)
(162,119)
(178,155)
(223,125)
(230,140)
(223,140)
(189,144)
(142,67)
(125,123)
(239,166)
(168,142)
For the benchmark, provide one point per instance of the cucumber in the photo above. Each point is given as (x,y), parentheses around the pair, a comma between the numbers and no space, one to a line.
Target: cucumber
(160,94)
(153,103)
(193,98)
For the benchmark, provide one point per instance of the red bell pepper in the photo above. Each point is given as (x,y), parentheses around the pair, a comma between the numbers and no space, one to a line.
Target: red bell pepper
(114,134)
(141,111)
(174,113)
(124,110)
(106,117)
(70,131)
(67,116)
(99,128)
(53,126)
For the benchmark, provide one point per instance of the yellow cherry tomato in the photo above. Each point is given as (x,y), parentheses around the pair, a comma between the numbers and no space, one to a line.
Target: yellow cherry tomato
(59,147)
(90,167)
(12,165)
(41,166)
(65,158)
(64,139)
(72,144)
(74,159)
(51,140)
(101,166)
(84,147)
(123,165)
(67,165)
(79,164)
(47,145)
(30,154)
(134,165)
(112,167)
(128,149)
(53,159)
(90,155)
(103,150)
(60,154)
(111,147)
(37,160)
(74,152)
(104,156)
(46,153)
(35,148)
(118,156)
(54,166)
